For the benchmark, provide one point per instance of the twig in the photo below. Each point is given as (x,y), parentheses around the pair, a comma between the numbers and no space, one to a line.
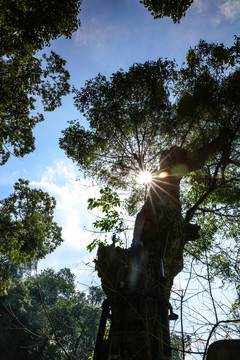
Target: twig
(51,323)
(213,329)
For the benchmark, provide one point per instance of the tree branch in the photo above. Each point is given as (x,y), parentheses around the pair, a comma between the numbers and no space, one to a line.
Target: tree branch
(51,323)
(213,186)
(23,327)
(213,329)
(198,158)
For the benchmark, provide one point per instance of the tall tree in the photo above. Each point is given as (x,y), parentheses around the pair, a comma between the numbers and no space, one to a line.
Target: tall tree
(25,28)
(134,126)
(27,229)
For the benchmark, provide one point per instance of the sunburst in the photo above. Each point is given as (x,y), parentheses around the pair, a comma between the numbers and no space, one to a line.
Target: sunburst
(144,177)
(155,180)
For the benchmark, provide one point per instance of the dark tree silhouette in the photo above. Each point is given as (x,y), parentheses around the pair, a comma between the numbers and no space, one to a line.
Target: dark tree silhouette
(174,8)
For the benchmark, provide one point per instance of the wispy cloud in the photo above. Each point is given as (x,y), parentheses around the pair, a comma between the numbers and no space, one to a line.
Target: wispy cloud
(200,5)
(71,214)
(93,32)
(228,11)
(71,195)
(99,35)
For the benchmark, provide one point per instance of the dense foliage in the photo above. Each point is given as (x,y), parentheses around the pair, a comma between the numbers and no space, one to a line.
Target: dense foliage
(209,104)
(174,8)
(27,229)
(21,80)
(127,116)
(29,25)
(110,221)
(135,116)
(46,317)
(26,27)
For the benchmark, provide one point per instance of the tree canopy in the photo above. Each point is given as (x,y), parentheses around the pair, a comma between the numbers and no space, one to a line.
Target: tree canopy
(174,8)
(132,117)
(127,116)
(139,114)
(29,25)
(21,81)
(25,28)
(27,229)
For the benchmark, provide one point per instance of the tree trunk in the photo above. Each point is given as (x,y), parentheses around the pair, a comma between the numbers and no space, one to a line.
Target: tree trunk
(138,280)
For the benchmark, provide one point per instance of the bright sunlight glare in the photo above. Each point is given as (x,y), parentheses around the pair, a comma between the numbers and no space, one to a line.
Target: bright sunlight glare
(163,174)
(144,177)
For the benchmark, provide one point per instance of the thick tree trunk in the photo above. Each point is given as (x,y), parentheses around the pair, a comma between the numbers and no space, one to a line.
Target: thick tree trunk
(138,280)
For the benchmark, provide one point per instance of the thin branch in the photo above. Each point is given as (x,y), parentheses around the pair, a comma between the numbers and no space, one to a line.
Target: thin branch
(213,329)
(209,282)
(219,213)
(234,162)
(23,327)
(191,211)
(186,134)
(212,187)
(51,323)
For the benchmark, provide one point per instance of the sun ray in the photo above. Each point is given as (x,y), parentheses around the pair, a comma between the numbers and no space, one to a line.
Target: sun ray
(144,177)
(157,185)
(157,181)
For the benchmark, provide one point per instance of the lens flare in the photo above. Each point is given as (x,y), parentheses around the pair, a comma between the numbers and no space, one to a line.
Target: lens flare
(144,177)
(163,174)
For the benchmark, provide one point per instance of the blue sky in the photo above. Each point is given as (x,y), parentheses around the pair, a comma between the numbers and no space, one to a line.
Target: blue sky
(114,34)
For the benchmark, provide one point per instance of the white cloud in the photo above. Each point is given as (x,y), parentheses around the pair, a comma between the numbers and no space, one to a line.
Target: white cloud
(71,214)
(71,196)
(229,11)
(200,5)
(94,33)
(102,37)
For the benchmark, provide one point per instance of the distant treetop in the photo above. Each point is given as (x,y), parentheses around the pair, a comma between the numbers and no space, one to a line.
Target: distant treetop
(172,8)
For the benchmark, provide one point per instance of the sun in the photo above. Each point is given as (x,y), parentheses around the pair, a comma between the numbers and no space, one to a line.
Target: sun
(144,177)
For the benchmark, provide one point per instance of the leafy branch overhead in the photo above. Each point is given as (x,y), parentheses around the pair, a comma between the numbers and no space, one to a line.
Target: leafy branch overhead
(25,28)
(137,115)
(27,229)
(175,9)
(29,25)
(111,221)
